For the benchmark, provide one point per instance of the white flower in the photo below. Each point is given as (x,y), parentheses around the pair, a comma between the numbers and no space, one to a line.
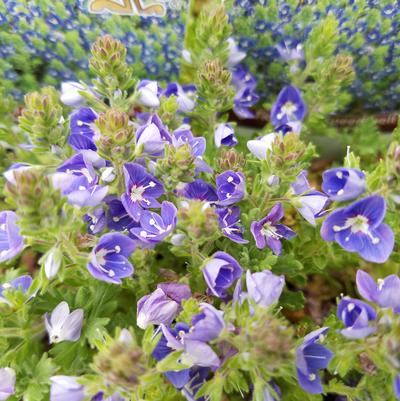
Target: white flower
(66,388)
(52,262)
(7,383)
(125,337)
(187,56)
(108,174)
(178,239)
(148,93)
(235,55)
(62,325)
(259,147)
(70,94)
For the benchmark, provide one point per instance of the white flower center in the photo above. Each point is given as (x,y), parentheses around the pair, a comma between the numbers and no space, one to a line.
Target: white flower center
(288,109)
(358,224)
(270,231)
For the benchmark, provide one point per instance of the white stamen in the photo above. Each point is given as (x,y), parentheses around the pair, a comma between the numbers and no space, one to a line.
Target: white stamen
(380,283)
(270,231)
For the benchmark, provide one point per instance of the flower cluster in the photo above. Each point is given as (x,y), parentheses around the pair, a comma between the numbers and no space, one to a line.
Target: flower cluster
(153,249)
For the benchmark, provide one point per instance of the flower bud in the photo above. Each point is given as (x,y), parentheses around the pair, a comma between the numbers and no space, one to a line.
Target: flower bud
(52,262)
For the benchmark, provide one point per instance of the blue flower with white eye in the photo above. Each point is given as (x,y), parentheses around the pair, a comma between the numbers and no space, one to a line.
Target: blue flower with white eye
(359,228)
(84,132)
(385,292)
(78,181)
(343,184)
(200,190)
(153,227)
(11,242)
(311,357)
(109,259)
(21,283)
(356,315)
(229,223)
(142,190)
(230,187)
(267,232)
(289,107)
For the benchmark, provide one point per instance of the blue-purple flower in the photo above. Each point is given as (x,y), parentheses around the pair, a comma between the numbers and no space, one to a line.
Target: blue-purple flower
(11,242)
(396,387)
(230,187)
(96,221)
(62,325)
(311,357)
(66,388)
(76,178)
(356,316)
(220,272)
(84,131)
(224,135)
(360,228)
(245,96)
(385,293)
(153,227)
(109,260)
(289,107)
(229,223)
(200,190)
(183,136)
(343,184)
(264,288)
(162,305)
(142,190)
(195,353)
(21,283)
(290,51)
(184,95)
(308,202)
(206,325)
(163,348)
(117,217)
(148,93)
(268,232)
(152,137)
(7,383)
